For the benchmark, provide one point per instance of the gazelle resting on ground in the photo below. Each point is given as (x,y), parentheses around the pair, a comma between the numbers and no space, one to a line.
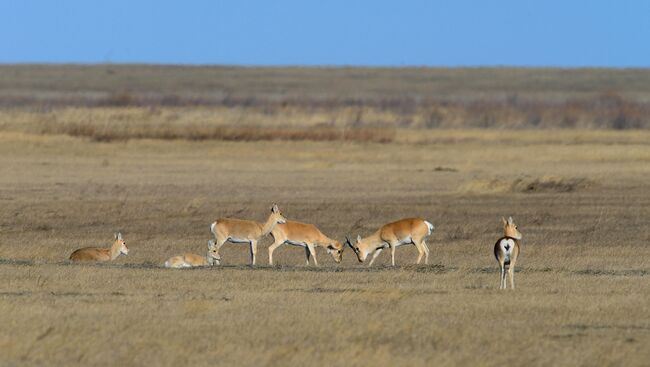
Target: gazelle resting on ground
(391,235)
(100,253)
(506,251)
(192,260)
(244,231)
(307,236)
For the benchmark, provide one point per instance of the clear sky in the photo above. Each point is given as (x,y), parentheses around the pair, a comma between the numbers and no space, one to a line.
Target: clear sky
(568,33)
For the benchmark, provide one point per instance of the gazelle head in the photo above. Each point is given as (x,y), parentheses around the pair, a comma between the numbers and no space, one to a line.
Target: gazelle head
(276,215)
(360,249)
(119,241)
(213,254)
(336,250)
(510,228)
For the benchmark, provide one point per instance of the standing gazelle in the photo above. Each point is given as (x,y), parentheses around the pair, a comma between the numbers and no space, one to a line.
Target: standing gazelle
(307,236)
(404,231)
(192,260)
(245,231)
(506,251)
(100,253)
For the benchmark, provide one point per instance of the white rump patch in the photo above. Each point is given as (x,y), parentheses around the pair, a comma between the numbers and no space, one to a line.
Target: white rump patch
(430,226)
(507,245)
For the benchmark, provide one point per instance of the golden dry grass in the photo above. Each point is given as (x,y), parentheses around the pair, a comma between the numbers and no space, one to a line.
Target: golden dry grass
(583,287)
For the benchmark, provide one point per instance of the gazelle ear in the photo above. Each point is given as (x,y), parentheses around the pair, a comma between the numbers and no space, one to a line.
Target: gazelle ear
(510,221)
(504,221)
(210,244)
(274,208)
(119,236)
(358,238)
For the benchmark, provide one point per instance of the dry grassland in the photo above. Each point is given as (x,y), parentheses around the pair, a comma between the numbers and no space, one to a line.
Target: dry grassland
(580,199)
(357,97)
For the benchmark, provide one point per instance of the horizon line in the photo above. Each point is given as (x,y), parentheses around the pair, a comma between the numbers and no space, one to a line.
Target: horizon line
(322,66)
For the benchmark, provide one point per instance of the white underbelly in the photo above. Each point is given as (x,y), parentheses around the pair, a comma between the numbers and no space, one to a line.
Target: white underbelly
(239,240)
(295,243)
(404,241)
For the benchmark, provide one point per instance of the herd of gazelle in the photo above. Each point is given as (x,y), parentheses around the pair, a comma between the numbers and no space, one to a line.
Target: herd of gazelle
(390,236)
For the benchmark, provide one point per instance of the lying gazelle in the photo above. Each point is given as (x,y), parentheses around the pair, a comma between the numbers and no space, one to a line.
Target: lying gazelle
(506,251)
(307,236)
(192,260)
(101,254)
(391,235)
(245,231)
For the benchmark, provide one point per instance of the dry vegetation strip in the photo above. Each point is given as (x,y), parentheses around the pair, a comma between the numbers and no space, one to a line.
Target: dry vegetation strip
(410,97)
(227,133)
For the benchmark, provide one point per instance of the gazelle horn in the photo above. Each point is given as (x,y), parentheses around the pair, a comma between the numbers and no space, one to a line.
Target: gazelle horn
(349,243)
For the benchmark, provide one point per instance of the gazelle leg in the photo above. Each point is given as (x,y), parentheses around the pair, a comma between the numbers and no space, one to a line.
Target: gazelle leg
(272,248)
(503,277)
(374,256)
(253,245)
(392,254)
(426,252)
(219,242)
(512,271)
(307,254)
(311,249)
(419,247)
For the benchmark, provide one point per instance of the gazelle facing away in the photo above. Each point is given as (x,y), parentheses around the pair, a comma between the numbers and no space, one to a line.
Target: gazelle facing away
(245,231)
(307,236)
(101,254)
(506,251)
(192,260)
(391,235)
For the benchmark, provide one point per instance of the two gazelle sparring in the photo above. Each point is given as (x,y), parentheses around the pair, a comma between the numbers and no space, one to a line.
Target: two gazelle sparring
(100,253)
(506,250)
(307,236)
(193,260)
(245,231)
(391,235)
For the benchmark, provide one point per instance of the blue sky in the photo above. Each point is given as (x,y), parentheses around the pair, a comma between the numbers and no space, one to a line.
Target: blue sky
(375,33)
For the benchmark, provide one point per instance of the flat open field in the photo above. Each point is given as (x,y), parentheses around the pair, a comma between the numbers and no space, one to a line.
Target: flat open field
(581,199)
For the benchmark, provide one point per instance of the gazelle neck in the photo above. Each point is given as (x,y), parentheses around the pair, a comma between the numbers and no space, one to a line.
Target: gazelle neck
(326,241)
(374,241)
(115,250)
(268,226)
(208,259)
(512,234)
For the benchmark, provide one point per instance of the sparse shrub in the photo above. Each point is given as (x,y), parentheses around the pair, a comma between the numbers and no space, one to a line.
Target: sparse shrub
(623,122)
(120,99)
(529,185)
(434,118)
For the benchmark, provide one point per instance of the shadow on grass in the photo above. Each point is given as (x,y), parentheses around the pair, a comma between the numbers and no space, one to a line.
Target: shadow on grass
(430,269)
(603,272)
